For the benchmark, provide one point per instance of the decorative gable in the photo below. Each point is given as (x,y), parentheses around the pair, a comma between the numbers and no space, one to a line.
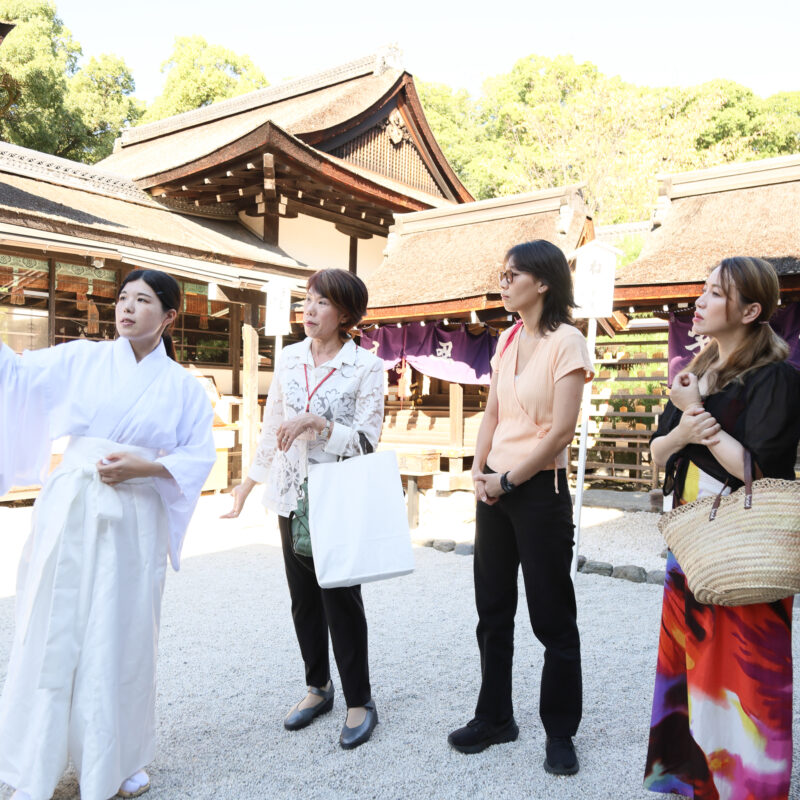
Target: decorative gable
(388,148)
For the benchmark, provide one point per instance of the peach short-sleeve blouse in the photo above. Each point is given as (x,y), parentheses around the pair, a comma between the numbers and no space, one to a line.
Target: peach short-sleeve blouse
(525,404)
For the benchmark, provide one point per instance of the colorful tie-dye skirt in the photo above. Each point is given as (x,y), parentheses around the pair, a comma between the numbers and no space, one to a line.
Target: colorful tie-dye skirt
(721,725)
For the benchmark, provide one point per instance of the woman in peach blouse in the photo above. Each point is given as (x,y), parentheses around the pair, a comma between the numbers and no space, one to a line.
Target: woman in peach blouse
(524,509)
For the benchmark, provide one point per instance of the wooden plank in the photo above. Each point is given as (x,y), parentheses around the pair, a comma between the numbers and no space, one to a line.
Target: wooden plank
(249,381)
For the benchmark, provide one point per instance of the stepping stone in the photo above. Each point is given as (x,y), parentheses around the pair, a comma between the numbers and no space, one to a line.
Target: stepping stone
(597,568)
(629,572)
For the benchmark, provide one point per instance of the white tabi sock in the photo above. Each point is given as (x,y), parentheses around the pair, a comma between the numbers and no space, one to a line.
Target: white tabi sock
(135,782)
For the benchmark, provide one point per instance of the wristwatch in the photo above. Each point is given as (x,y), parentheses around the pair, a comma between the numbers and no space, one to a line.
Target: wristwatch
(326,429)
(505,483)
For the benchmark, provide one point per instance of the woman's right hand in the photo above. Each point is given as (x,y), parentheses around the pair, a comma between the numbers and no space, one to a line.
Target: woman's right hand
(685,391)
(479,484)
(239,494)
(697,426)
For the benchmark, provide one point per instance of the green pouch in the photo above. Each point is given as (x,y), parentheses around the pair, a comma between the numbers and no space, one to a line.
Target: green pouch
(301,535)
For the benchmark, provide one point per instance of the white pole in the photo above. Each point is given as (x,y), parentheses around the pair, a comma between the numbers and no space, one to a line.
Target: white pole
(586,405)
(276,353)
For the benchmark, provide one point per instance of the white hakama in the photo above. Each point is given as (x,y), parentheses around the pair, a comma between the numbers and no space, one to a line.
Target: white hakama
(81,678)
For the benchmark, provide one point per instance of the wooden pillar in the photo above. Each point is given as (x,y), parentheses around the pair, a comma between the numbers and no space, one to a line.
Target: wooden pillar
(236,348)
(457,426)
(51,301)
(353,264)
(250,417)
(413,502)
(271,229)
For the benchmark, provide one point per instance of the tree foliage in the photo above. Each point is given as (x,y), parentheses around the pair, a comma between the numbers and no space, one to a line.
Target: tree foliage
(553,121)
(199,73)
(63,109)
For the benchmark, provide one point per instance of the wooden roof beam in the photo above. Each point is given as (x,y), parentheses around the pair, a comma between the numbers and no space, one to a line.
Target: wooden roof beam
(242,171)
(269,186)
(349,230)
(330,216)
(238,194)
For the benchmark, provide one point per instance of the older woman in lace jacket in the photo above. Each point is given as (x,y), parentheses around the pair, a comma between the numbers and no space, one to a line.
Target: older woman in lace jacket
(326,401)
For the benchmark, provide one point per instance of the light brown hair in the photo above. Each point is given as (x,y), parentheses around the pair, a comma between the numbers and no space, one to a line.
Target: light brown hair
(744,281)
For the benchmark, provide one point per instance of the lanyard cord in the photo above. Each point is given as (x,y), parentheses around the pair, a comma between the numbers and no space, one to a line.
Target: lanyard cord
(311,393)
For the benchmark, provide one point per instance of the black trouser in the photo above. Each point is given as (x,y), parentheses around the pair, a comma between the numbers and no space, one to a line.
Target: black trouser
(531,526)
(315,611)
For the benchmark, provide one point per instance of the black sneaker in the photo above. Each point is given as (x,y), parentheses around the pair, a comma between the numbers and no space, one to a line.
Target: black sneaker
(561,758)
(478,734)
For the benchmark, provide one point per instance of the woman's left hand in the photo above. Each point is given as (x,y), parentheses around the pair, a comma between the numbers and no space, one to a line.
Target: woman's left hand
(292,428)
(118,467)
(488,487)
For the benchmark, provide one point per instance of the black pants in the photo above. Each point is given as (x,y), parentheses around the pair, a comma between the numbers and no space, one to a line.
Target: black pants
(531,526)
(316,611)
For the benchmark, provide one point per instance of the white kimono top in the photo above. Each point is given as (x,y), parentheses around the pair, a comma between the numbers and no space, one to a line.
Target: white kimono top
(351,396)
(97,389)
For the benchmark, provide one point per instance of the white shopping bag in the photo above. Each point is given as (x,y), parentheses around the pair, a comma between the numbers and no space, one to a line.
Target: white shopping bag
(358,522)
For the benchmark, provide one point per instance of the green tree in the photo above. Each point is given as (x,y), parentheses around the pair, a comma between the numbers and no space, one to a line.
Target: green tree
(62,109)
(199,73)
(552,122)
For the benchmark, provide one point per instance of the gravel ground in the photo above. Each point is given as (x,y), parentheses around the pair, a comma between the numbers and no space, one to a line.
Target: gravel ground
(229,669)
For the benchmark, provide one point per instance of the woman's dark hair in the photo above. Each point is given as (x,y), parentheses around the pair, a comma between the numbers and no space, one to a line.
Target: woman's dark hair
(346,291)
(548,264)
(166,289)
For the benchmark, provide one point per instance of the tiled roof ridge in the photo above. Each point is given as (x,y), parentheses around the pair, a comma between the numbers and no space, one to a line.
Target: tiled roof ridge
(64,172)
(376,63)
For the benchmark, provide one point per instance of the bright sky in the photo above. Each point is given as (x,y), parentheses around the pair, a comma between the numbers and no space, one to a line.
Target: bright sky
(681,42)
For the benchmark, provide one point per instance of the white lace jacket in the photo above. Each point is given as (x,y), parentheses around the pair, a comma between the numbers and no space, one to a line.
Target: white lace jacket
(352,397)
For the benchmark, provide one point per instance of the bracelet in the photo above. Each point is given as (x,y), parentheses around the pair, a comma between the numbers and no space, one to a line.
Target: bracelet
(505,483)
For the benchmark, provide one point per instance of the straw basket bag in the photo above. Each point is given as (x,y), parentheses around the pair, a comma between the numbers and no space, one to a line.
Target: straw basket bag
(741,548)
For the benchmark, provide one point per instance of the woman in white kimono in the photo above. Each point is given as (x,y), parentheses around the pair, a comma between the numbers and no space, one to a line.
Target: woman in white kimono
(81,679)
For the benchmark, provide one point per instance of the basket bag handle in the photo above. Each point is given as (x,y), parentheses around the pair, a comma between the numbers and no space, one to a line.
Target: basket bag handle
(748,487)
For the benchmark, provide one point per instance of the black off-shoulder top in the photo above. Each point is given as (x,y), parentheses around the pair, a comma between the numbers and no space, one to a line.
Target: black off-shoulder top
(762,412)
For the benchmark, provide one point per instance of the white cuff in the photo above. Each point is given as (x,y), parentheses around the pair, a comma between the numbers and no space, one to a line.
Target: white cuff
(340,437)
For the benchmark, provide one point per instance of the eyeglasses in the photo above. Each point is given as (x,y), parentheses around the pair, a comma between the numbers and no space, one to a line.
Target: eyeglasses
(508,276)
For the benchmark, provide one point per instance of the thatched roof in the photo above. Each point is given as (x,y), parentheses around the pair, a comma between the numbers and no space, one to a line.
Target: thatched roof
(448,254)
(45,193)
(750,209)
(323,108)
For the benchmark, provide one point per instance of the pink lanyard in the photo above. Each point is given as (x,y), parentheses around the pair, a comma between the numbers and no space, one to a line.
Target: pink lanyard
(311,393)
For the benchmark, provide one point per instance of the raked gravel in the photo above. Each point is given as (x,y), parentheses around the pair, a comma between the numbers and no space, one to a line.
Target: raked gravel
(229,669)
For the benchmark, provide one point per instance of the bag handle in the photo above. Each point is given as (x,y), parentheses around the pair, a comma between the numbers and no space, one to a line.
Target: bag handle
(514,332)
(748,485)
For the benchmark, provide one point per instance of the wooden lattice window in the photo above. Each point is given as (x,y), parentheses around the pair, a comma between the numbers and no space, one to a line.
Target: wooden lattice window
(24,284)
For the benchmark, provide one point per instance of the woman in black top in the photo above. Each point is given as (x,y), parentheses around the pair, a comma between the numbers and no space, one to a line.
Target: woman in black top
(721,723)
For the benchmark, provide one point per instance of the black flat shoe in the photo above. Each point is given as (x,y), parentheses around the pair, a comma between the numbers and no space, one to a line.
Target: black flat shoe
(478,734)
(353,737)
(298,718)
(561,758)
